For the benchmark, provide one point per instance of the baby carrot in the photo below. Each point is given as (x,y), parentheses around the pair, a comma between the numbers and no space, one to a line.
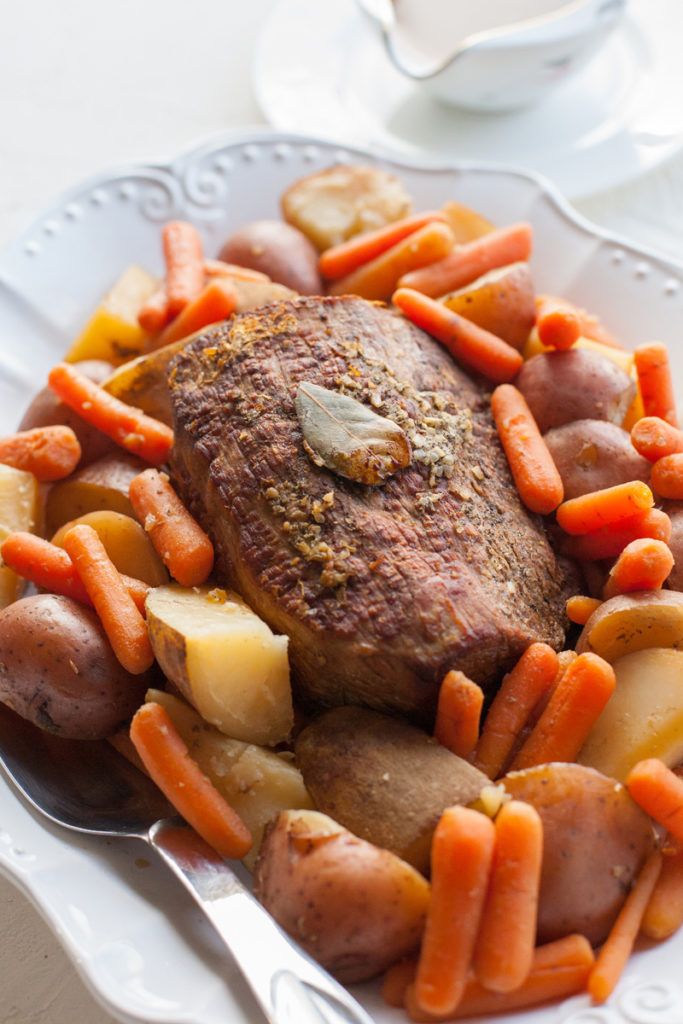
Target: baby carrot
(458,714)
(397,979)
(580,608)
(121,620)
(218,268)
(656,385)
(179,540)
(182,782)
(667,477)
(557,322)
(378,278)
(342,259)
(128,427)
(589,325)
(469,344)
(654,438)
(469,261)
(535,474)
(644,564)
(618,947)
(607,507)
(154,314)
(504,952)
(659,792)
(217,301)
(664,912)
(522,689)
(572,711)
(50,453)
(462,849)
(610,541)
(184,258)
(50,568)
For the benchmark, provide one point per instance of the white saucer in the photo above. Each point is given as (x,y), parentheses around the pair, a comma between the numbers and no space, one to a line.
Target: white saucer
(320,68)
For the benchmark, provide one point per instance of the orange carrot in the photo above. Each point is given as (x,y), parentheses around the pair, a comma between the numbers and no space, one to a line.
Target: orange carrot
(619,944)
(128,427)
(504,953)
(608,507)
(664,912)
(154,314)
(397,979)
(378,278)
(121,620)
(179,540)
(580,608)
(572,711)
(659,792)
(535,474)
(469,261)
(184,257)
(654,438)
(217,268)
(50,568)
(478,349)
(182,782)
(50,453)
(522,689)
(458,714)
(667,477)
(348,256)
(610,541)
(560,969)
(216,302)
(557,322)
(644,564)
(462,849)
(589,325)
(656,385)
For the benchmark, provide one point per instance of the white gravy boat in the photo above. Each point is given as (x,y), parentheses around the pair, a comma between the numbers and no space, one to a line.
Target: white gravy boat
(491,55)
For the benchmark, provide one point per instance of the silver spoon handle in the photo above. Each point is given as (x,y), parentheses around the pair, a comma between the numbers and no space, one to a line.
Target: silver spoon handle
(289,987)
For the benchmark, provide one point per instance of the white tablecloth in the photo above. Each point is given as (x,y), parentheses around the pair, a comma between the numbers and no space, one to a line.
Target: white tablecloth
(86,85)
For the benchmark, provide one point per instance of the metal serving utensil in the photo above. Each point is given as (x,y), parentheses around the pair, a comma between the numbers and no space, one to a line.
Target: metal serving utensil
(88,787)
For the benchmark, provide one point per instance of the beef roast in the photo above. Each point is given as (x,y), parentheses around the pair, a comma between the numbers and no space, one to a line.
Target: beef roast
(380,589)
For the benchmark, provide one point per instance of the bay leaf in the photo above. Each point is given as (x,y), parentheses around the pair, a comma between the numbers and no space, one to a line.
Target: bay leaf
(349,438)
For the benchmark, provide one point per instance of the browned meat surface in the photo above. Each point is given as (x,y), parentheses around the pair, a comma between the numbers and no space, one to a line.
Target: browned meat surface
(380,589)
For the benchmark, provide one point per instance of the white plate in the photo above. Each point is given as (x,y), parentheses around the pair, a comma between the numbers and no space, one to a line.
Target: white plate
(131,931)
(319,68)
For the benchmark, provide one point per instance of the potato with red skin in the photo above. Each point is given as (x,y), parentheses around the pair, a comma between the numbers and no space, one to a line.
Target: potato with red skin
(501,301)
(354,907)
(278,250)
(58,670)
(593,454)
(674,510)
(101,486)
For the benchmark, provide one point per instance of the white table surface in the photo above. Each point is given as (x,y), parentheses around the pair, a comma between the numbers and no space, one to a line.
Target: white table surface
(86,85)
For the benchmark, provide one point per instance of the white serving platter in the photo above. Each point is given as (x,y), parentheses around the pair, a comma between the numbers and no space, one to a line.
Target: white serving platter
(130,930)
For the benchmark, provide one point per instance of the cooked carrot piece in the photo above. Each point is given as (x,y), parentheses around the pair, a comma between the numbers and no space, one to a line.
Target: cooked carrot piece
(218,268)
(667,477)
(557,322)
(580,608)
(644,564)
(216,302)
(120,618)
(504,952)
(522,689)
(618,947)
(348,256)
(535,474)
(154,314)
(50,453)
(469,261)
(397,979)
(182,782)
(659,792)
(128,427)
(184,256)
(608,507)
(469,344)
(458,714)
(178,539)
(462,849)
(610,541)
(572,711)
(589,325)
(664,912)
(654,379)
(654,438)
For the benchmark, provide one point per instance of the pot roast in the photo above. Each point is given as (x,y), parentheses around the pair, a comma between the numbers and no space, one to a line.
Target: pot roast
(381,589)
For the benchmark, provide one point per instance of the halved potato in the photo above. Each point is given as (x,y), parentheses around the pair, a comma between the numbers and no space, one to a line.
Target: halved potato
(103,485)
(634,622)
(224,660)
(465,223)
(19,510)
(113,332)
(127,544)
(501,301)
(11,585)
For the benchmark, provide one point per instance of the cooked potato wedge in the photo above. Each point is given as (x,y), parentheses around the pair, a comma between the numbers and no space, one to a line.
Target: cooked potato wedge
(113,332)
(19,510)
(465,223)
(103,485)
(11,585)
(384,779)
(501,301)
(126,543)
(224,660)
(143,382)
(595,840)
(355,908)
(634,622)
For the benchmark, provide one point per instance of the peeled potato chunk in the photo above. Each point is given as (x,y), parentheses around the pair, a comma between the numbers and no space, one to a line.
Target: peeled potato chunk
(644,716)
(224,660)
(113,332)
(634,622)
(19,510)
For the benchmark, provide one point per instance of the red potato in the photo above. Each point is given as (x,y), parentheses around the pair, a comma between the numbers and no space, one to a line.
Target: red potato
(278,250)
(674,510)
(501,301)
(593,454)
